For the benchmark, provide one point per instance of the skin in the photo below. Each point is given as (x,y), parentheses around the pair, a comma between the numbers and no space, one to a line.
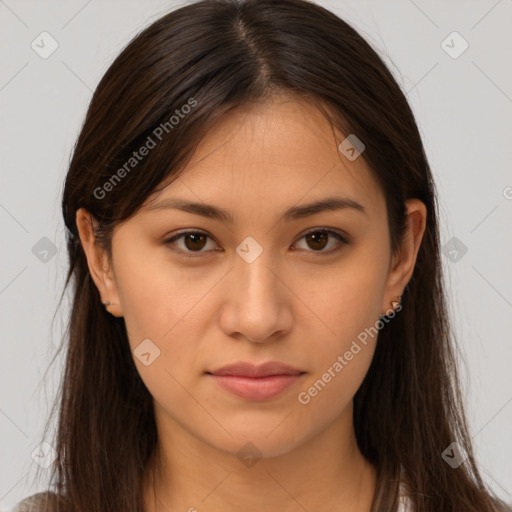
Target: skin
(298,306)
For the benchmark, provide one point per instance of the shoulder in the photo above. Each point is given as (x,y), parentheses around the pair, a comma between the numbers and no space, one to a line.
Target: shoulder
(39,502)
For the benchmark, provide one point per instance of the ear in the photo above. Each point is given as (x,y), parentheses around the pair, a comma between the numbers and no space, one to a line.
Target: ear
(98,262)
(402,265)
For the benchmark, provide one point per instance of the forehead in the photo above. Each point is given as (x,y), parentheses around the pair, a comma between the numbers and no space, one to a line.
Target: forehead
(281,151)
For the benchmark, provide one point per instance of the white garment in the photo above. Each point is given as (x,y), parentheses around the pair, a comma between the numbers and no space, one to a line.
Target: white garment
(404,504)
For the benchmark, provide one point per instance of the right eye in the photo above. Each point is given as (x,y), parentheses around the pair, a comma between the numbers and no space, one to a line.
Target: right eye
(193,242)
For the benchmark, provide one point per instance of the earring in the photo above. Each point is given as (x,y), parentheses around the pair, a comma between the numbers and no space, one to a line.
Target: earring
(394,305)
(107,303)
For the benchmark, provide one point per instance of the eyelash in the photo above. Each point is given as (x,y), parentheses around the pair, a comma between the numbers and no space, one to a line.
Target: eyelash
(195,254)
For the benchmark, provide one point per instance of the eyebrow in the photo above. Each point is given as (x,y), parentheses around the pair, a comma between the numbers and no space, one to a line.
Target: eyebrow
(293,213)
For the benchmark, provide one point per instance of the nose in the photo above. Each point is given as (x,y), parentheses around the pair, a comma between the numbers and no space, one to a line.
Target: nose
(258,305)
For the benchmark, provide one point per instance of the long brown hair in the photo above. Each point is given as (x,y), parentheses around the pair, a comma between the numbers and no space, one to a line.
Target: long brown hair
(215,56)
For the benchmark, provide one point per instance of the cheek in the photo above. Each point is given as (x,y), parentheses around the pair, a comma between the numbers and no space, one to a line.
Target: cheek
(327,394)
(341,356)
(154,292)
(346,311)
(347,298)
(164,309)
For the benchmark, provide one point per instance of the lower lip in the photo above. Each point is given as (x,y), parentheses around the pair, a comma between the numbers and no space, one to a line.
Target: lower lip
(256,388)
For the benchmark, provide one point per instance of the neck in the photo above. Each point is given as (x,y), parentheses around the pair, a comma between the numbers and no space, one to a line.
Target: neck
(187,474)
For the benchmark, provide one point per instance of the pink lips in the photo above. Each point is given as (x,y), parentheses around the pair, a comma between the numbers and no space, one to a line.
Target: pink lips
(256,382)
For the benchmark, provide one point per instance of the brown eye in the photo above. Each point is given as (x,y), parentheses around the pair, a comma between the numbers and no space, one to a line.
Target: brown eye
(318,239)
(195,241)
(192,241)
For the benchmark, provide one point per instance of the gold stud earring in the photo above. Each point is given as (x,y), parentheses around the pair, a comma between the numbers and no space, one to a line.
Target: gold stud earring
(394,305)
(107,303)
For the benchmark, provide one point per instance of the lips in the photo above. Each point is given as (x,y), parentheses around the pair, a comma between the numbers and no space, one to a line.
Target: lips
(263,370)
(256,383)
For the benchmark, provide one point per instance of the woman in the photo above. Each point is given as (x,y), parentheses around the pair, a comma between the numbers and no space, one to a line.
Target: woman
(259,320)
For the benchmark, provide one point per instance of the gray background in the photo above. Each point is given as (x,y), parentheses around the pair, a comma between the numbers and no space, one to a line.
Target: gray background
(463,106)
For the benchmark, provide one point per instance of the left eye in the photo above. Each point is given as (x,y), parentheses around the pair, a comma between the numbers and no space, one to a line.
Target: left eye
(195,241)
(319,237)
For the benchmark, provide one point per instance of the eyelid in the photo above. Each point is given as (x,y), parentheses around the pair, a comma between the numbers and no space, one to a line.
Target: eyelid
(340,235)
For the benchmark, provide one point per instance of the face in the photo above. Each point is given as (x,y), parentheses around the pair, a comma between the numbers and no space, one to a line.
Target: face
(306,289)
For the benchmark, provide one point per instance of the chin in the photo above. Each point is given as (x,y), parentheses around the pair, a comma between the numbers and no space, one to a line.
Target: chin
(254,442)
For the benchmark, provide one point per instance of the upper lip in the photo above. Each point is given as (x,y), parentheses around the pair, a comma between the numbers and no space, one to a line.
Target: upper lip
(244,369)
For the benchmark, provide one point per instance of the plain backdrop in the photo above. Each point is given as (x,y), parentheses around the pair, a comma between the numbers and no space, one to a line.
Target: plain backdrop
(462,101)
